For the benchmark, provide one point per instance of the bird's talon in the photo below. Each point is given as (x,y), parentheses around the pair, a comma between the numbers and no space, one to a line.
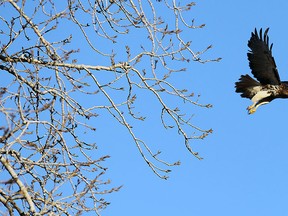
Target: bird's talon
(251,110)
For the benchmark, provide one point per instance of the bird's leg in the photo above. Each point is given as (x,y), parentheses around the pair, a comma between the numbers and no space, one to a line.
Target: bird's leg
(252,109)
(258,99)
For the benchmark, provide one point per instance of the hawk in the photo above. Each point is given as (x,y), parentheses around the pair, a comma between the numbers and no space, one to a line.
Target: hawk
(268,85)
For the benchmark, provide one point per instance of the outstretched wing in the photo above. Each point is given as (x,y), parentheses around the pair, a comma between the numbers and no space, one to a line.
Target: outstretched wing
(260,58)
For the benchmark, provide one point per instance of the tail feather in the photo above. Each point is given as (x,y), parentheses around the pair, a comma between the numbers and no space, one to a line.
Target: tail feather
(245,86)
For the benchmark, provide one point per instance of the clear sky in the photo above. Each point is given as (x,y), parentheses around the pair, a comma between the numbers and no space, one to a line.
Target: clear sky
(245,166)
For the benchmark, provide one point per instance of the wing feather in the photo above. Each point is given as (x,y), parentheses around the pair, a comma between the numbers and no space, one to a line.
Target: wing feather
(260,58)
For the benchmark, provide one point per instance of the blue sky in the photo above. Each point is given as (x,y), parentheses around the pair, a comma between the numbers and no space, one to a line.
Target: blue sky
(244,171)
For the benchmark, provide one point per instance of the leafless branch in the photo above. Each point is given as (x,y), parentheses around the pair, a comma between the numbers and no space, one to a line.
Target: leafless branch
(48,160)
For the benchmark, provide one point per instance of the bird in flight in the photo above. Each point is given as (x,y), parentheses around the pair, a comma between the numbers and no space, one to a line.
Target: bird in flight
(268,85)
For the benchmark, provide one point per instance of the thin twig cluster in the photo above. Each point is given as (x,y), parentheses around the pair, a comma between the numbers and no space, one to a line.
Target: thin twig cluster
(48,160)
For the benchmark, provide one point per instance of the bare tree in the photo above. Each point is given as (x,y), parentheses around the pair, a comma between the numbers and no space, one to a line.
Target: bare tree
(48,162)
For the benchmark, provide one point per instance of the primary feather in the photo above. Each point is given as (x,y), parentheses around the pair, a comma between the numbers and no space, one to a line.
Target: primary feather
(261,61)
